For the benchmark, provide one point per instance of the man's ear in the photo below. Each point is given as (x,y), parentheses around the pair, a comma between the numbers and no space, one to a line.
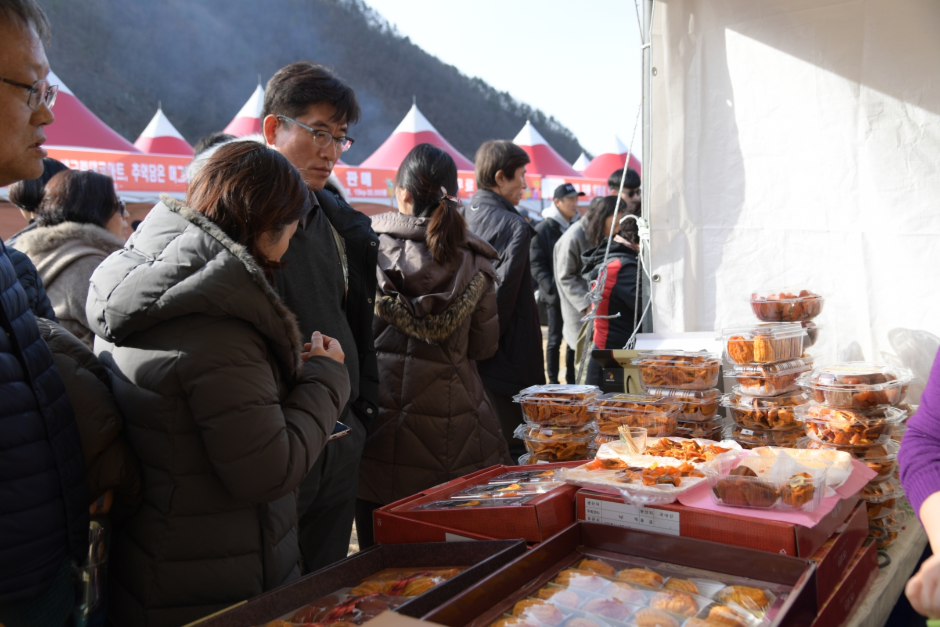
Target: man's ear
(500,178)
(269,128)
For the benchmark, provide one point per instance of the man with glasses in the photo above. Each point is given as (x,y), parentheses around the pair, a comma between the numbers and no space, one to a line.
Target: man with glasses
(329,283)
(631,186)
(43,489)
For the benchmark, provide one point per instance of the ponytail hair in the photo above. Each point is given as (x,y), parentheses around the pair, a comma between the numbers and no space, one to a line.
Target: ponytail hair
(430,175)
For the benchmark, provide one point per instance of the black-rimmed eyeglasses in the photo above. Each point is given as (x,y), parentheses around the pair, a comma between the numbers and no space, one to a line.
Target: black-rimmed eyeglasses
(40,92)
(323,138)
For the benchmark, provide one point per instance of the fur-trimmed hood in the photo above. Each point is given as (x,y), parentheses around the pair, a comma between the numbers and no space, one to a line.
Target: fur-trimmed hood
(423,297)
(54,248)
(180,263)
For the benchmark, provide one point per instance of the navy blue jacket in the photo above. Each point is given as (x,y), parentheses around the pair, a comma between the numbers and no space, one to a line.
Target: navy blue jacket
(31,283)
(43,489)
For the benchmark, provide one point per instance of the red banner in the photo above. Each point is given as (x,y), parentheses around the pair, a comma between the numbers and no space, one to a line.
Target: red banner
(132,172)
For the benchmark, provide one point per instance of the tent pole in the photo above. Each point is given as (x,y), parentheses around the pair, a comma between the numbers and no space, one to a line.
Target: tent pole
(645,38)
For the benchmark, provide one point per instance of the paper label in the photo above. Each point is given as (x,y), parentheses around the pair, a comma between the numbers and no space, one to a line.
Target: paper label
(631,516)
(747,432)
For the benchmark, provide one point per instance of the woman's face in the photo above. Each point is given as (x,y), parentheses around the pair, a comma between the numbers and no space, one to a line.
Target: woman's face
(511,189)
(118,225)
(274,245)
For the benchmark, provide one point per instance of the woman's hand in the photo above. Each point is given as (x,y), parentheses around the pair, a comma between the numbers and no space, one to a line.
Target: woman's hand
(103,504)
(323,346)
(923,589)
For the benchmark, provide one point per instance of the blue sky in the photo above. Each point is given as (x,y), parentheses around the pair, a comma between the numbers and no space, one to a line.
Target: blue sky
(578,61)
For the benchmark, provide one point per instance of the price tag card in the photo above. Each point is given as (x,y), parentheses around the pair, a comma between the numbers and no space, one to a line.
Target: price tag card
(631,516)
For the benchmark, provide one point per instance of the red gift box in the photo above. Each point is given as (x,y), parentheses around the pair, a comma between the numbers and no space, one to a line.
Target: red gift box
(835,556)
(534,521)
(850,591)
(678,520)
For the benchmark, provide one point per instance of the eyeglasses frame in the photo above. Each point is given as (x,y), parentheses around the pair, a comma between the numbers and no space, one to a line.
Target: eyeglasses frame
(314,131)
(49,99)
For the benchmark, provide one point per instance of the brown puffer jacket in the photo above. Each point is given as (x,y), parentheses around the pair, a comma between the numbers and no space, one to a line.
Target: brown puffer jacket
(224,417)
(109,460)
(65,256)
(432,321)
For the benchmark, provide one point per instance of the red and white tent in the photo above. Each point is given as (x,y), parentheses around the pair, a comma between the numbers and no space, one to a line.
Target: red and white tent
(76,126)
(248,120)
(161,137)
(544,161)
(611,160)
(581,163)
(413,130)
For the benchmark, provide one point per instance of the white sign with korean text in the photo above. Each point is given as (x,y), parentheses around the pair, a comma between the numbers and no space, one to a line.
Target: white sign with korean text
(631,516)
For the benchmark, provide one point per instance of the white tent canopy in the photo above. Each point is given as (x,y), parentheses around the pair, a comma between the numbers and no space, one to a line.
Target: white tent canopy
(797,144)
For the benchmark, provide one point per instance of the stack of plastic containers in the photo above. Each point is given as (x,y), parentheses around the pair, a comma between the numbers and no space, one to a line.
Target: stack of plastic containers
(559,423)
(853,409)
(686,380)
(763,362)
(659,416)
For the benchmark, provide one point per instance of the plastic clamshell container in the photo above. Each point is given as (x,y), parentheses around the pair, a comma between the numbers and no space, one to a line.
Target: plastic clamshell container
(659,416)
(754,437)
(786,305)
(473,503)
(504,491)
(801,491)
(557,444)
(880,492)
(524,476)
(770,379)
(825,458)
(765,343)
(694,405)
(857,384)
(882,458)
(710,430)
(885,530)
(557,404)
(764,412)
(680,370)
(529,459)
(847,427)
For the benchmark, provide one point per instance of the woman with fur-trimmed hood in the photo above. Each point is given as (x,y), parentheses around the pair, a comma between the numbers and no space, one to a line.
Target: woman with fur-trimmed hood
(79,222)
(224,405)
(435,315)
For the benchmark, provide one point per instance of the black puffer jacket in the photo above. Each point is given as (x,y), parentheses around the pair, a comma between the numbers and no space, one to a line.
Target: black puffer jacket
(542,254)
(43,494)
(518,362)
(29,279)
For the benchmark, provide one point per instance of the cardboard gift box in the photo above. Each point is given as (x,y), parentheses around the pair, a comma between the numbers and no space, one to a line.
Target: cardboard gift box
(481,558)
(534,521)
(851,590)
(487,601)
(835,556)
(392,529)
(677,519)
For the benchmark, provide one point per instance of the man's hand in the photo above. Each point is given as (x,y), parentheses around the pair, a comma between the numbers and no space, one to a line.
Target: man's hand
(323,346)
(923,589)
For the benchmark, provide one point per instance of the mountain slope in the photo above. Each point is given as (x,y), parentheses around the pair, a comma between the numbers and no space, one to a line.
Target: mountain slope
(202,59)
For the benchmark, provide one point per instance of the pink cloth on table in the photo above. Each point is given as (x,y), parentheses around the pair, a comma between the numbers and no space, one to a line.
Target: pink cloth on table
(700,498)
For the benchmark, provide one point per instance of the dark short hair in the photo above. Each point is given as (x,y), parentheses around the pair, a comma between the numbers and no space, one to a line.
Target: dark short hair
(28,194)
(210,140)
(496,155)
(26,13)
(632,182)
(430,175)
(247,190)
(603,209)
(78,196)
(294,88)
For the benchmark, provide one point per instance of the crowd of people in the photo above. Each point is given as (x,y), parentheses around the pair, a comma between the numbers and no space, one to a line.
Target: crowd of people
(229,386)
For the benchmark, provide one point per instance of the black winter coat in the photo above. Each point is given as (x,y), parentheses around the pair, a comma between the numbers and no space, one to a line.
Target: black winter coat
(43,492)
(542,255)
(28,277)
(619,293)
(362,250)
(518,361)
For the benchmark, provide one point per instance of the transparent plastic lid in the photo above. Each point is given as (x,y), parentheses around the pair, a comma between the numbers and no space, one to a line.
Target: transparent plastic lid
(786,305)
(535,433)
(867,418)
(634,402)
(677,358)
(688,397)
(766,371)
(857,376)
(881,452)
(772,330)
(894,521)
(738,399)
(558,393)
